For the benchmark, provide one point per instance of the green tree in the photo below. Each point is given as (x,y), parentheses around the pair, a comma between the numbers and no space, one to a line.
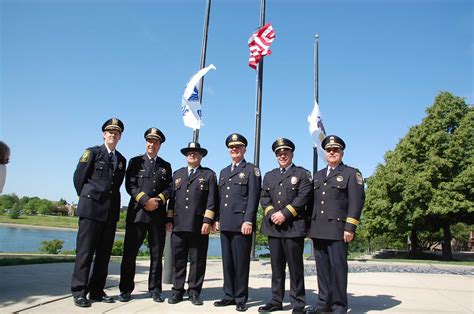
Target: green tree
(15,211)
(7,201)
(52,247)
(261,240)
(426,183)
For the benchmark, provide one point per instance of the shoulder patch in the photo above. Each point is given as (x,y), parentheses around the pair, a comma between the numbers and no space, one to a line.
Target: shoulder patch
(85,156)
(256,171)
(359,179)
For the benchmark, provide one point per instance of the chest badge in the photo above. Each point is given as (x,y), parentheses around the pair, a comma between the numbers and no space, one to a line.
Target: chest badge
(120,166)
(163,171)
(339,179)
(294,180)
(177,182)
(241,175)
(202,180)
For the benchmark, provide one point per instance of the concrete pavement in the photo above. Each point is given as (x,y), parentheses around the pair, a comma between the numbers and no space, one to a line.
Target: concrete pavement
(44,288)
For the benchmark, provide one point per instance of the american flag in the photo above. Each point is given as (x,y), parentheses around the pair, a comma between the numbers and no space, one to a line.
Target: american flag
(259,44)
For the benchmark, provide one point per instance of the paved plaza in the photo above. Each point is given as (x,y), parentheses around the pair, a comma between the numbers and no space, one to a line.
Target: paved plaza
(45,288)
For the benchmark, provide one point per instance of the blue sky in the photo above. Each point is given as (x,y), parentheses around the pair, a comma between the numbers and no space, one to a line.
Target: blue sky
(67,66)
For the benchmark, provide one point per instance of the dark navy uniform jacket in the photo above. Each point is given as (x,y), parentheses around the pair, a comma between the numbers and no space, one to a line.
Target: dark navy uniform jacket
(289,193)
(194,200)
(97,182)
(338,202)
(147,180)
(239,192)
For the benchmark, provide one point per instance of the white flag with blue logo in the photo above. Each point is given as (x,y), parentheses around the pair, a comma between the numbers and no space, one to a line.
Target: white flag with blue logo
(316,129)
(190,105)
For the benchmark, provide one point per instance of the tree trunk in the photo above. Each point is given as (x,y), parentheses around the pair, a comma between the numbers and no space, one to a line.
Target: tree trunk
(415,249)
(447,253)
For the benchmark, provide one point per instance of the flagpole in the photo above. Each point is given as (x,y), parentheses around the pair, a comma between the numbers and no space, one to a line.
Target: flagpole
(203,59)
(168,264)
(258,118)
(316,98)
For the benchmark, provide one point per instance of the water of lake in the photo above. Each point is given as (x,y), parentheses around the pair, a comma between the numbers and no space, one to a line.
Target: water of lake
(16,239)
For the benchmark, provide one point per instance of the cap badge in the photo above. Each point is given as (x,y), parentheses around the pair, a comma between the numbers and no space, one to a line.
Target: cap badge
(192,145)
(114,121)
(234,137)
(154,131)
(280,142)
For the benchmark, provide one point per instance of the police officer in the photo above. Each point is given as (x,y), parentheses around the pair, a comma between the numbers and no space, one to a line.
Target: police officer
(239,193)
(148,181)
(338,201)
(286,192)
(97,180)
(191,212)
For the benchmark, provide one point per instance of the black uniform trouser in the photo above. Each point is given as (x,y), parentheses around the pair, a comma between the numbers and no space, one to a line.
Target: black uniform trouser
(236,249)
(282,251)
(331,265)
(92,237)
(194,245)
(134,235)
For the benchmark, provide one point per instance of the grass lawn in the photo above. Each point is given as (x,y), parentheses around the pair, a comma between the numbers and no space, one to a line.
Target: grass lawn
(44,221)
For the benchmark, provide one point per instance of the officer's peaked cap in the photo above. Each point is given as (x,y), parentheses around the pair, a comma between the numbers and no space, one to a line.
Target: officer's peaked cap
(235,139)
(333,141)
(194,147)
(113,124)
(154,134)
(283,143)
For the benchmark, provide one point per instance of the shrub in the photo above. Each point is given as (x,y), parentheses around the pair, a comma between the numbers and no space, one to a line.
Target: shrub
(51,247)
(117,248)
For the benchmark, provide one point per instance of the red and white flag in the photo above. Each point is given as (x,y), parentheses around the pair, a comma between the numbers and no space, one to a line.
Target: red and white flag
(259,44)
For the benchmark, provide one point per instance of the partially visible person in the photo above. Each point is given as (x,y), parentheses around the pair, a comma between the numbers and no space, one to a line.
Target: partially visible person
(148,181)
(286,193)
(239,193)
(338,200)
(4,159)
(97,179)
(191,212)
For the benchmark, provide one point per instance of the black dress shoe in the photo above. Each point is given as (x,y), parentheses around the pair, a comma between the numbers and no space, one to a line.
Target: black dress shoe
(101,298)
(175,298)
(241,307)
(298,310)
(224,302)
(124,297)
(195,299)
(316,310)
(270,308)
(157,297)
(81,301)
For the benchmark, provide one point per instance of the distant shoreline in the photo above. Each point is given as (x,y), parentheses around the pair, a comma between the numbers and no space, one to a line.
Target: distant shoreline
(35,226)
(45,227)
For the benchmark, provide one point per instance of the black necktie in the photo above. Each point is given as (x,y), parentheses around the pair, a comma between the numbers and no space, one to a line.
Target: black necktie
(233,167)
(111,160)
(282,170)
(191,172)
